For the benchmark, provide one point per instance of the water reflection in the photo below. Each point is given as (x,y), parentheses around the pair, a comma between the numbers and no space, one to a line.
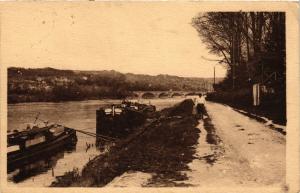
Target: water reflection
(39,165)
(79,115)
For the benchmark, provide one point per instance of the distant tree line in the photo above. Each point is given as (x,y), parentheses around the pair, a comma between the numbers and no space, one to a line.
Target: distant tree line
(48,84)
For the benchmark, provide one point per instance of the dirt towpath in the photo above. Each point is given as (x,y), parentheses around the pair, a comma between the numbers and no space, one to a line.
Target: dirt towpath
(226,148)
(246,151)
(232,150)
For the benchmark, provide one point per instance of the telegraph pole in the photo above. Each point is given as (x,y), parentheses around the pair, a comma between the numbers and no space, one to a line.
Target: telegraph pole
(214,66)
(233,62)
(214,75)
(233,53)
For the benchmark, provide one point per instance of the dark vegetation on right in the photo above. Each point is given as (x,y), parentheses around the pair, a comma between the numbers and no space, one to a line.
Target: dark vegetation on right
(252,48)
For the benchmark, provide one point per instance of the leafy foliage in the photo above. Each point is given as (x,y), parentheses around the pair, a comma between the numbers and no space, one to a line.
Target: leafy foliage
(252,45)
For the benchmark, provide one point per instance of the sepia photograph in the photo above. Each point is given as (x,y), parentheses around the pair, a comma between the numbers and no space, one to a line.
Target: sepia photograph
(147,95)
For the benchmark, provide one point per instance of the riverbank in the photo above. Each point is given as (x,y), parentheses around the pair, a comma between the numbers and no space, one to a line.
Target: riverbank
(162,148)
(54,85)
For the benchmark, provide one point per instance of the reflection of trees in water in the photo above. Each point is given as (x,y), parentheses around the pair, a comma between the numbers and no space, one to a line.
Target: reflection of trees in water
(39,165)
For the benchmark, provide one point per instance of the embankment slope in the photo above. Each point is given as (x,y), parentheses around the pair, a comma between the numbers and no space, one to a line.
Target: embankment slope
(162,148)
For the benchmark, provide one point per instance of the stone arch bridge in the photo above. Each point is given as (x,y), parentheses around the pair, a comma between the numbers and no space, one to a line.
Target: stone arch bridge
(163,94)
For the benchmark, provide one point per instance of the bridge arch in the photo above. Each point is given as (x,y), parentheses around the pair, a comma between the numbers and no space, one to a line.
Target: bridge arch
(176,94)
(163,95)
(148,95)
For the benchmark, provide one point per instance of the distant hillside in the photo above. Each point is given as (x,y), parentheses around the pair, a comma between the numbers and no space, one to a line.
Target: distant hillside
(48,84)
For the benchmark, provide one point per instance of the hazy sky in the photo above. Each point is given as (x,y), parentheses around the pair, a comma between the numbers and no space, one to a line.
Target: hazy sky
(141,38)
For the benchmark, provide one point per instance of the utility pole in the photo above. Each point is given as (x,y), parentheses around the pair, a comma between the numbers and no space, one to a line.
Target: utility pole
(214,67)
(233,52)
(214,75)
(233,62)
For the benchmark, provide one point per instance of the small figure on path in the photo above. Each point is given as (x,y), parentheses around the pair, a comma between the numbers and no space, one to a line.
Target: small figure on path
(199,104)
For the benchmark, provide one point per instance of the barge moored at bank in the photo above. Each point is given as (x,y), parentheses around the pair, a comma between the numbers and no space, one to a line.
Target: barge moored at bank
(33,143)
(119,120)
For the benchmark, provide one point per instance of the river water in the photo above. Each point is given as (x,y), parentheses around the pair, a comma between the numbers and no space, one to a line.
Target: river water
(78,115)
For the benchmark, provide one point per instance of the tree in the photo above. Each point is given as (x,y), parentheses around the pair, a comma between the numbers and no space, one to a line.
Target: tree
(251,43)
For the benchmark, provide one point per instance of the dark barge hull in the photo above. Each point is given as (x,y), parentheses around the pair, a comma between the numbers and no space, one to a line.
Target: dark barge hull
(33,153)
(118,126)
